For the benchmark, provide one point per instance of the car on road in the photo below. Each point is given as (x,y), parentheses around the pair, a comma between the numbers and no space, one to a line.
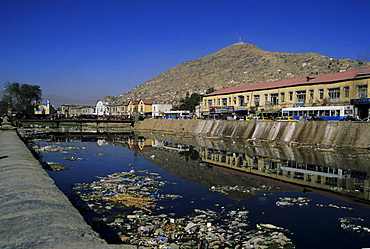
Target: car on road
(286,119)
(350,119)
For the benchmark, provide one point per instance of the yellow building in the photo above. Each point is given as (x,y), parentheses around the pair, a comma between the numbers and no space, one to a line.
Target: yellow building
(348,88)
(132,106)
(141,106)
(144,107)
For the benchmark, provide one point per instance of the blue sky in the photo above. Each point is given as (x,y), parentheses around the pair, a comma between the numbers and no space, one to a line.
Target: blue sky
(80,51)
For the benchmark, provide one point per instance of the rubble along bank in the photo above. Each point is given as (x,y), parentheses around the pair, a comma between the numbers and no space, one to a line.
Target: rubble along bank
(34,213)
(323,133)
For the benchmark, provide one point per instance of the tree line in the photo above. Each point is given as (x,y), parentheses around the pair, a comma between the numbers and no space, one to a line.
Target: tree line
(20,100)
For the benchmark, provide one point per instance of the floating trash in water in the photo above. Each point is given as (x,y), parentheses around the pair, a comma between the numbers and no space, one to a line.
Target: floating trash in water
(52,166)
(202,229)
(72,158)
(291,201)
(353,224)
(99,154)
(133,189)
(225,190)
(139,192)
(334,206)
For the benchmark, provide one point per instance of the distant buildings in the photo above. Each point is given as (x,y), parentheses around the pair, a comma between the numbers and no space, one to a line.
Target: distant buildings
(44,109)
(144,107)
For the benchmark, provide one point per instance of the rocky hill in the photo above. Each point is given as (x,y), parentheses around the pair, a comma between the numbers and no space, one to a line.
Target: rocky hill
(237,64)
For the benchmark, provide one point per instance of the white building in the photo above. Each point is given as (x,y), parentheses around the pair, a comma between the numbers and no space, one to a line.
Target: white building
(45,109)
(101,108)
(159,109)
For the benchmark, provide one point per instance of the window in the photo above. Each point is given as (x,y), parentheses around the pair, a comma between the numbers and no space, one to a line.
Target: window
(218,101)
(256,100)
(210,102)
(274,99)
(311,94)
(241,100)
(334,94)
(301,96)
(282,97)
(224,101)
(346,91)
(321,93)
(247,98)
(362,91)
(290,96)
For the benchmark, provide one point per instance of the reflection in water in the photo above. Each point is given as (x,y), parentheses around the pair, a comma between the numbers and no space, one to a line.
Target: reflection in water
(276,183)
(278,167)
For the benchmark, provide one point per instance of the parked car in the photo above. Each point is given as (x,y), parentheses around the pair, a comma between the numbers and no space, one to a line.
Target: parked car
(214,116)
(266,118)
(285,119)
(350,119)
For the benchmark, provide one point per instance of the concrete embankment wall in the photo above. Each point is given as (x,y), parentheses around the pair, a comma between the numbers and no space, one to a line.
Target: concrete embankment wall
(324,133)
(34,213)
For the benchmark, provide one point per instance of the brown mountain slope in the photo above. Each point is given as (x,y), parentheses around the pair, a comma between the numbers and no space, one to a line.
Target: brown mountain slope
(237,64)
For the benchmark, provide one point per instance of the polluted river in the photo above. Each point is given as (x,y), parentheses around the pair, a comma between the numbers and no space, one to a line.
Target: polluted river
(176,191)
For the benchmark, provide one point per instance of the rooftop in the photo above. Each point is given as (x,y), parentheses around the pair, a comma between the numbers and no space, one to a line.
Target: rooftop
(325,78)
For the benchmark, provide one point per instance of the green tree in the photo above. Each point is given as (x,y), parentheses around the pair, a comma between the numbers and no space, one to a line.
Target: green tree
(20,99)
(210,90)
(189,102)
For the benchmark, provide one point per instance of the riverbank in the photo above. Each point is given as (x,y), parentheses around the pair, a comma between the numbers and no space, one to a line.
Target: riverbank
(34,213)
(322,133)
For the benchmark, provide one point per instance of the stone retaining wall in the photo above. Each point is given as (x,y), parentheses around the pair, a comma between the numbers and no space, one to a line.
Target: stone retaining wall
(324,133)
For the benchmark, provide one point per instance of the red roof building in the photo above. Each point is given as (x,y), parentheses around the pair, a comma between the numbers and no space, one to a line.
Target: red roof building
(334,89)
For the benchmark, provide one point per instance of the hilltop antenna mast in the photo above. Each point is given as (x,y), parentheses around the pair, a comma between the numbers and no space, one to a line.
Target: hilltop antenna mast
(240,39)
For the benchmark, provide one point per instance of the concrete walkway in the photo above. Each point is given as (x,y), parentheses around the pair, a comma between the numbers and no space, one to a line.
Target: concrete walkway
(34,213)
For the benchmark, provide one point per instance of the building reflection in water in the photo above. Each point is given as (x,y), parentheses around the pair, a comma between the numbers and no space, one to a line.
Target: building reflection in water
(337,171)
(345,181)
